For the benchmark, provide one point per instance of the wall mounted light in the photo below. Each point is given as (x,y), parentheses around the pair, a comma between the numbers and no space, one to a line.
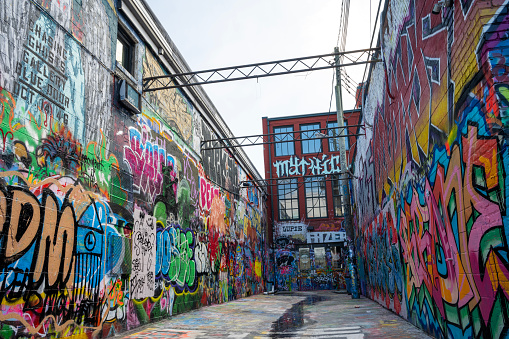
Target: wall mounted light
(441,3)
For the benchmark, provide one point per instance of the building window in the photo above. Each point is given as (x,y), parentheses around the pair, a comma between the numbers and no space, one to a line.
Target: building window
(304,259)
(284,141)
(125,50)
(320,260)
(339,210)
(334,131)
(288,196)
(310,144)
(316,198)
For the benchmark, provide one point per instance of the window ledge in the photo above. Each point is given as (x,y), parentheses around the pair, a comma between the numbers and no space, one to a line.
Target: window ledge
(125,74)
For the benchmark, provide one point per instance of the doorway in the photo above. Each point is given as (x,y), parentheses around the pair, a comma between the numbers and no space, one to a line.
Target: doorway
(321,266)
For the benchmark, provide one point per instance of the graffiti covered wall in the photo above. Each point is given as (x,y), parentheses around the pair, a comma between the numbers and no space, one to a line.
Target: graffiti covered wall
(431,194)
(303,259)
(108,220)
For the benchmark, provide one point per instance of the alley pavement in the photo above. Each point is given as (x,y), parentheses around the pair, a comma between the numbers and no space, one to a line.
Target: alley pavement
(313,314)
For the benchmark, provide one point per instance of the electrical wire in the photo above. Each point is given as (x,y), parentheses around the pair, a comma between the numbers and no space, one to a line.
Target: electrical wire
(349,78)
(349,86)
(349,82)
(312,179)
(340,22)
(321,151)
(372,38)
(343,25)
(342,34)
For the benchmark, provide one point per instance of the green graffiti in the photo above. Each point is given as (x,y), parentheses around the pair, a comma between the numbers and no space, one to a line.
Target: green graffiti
(185,302)
(182,265)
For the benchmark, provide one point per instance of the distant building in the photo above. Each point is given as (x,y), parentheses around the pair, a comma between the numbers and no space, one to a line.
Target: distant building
(304,206)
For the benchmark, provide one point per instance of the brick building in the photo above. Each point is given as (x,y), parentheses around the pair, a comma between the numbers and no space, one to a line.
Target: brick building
(304,205)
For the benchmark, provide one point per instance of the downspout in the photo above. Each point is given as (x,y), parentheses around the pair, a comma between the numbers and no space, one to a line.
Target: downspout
(272,206)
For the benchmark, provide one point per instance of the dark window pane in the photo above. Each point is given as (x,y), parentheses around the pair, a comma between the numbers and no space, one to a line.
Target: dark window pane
(125,51)
(336,196)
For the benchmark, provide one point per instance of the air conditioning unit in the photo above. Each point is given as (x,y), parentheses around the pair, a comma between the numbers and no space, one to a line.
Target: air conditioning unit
(129,97)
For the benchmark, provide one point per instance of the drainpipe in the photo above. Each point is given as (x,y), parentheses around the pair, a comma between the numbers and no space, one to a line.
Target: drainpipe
(269,145)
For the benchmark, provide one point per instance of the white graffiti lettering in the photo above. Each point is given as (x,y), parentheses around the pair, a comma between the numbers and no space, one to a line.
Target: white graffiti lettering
(315,165)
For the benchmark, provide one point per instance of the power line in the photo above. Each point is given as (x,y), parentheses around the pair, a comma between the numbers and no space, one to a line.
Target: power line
(372,38)
(330,106)
(352,85)
(343,24)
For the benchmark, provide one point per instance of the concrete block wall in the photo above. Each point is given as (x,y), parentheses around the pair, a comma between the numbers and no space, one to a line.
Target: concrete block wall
(109,220)
(431,198)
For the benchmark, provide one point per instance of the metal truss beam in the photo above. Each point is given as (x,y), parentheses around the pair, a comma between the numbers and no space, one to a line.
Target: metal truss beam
(274,181)
(263,139)
(260,70)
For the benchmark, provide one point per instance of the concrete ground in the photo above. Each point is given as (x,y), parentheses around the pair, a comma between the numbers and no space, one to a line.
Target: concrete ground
(314,314)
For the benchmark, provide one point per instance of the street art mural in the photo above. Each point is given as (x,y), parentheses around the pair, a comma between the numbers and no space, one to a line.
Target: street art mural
(108,220)
(173,106)
(431,194)
(303,259)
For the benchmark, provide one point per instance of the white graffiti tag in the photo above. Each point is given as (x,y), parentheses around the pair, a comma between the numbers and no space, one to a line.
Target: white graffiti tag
(316,165)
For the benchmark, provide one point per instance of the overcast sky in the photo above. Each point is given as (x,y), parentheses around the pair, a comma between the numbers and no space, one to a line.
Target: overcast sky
(212,34)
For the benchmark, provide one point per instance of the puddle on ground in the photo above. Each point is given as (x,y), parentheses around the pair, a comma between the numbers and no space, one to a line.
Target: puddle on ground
(294,317)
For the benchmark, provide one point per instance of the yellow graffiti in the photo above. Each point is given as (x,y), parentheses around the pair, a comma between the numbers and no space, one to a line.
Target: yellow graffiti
(258,269)
(171,103)
(80,197)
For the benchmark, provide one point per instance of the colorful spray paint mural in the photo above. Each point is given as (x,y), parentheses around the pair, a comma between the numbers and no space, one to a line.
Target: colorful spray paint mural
(431,197)
(108,220)
(304,261)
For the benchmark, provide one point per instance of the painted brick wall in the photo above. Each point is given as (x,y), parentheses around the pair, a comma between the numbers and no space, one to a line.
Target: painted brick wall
(108,220)
(431,198)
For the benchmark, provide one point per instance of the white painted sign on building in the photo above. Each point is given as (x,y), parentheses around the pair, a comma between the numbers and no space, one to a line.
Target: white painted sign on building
(292,228)
(325,237)
(324,165)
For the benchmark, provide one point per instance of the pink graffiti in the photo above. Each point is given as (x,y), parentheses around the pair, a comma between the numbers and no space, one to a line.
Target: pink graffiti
(207,194)
(146,160)
(436,230)
(285,270)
